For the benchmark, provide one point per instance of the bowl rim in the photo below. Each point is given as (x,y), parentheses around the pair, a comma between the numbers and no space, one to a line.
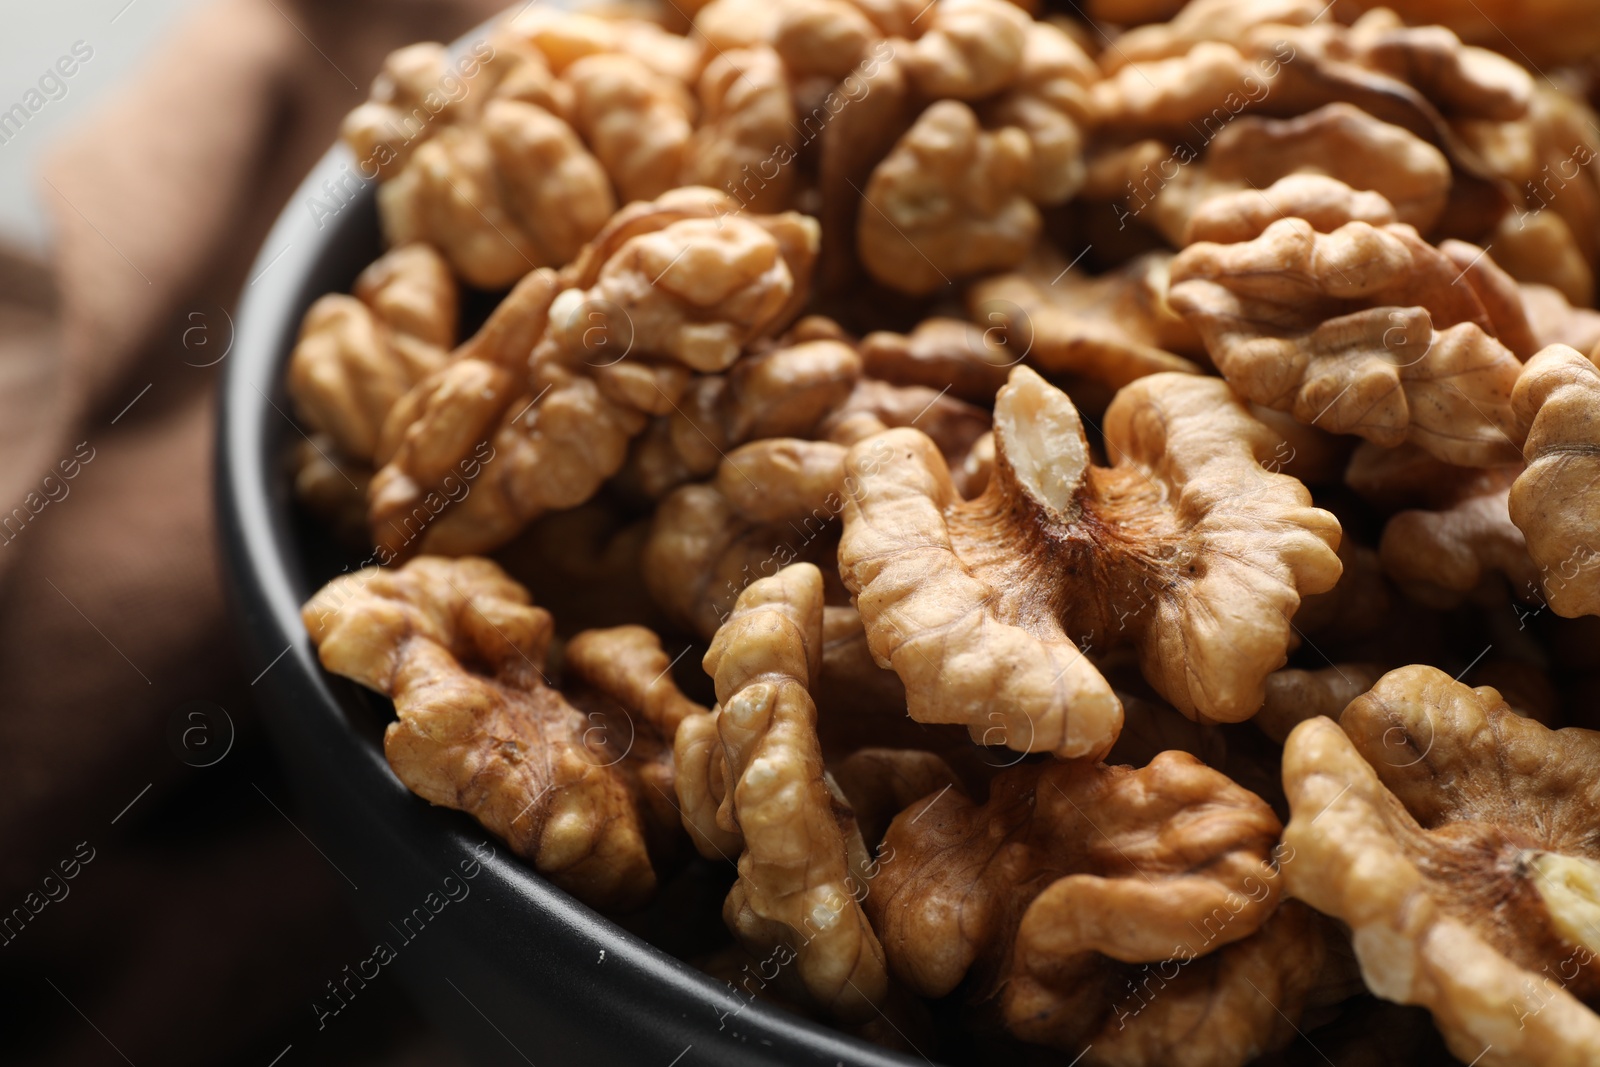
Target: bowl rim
(266,583)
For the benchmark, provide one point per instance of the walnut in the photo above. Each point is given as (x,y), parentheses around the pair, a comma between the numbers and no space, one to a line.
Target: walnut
(1455,839)
(971,360)
(1443,556)
(784,391)
(821,37)
(1554,320)
(949,201)
(1049,101)
(742,143)
(1205,199)
(1361,331)
(1553,502)
(500,196)
(333,487)
(1295,695)
(1553,32)
(357,356)
(565,37)
(637,121)
(802,863)
(461,651)
(1114,328)
(985,608)
(880,783)
(1049,896)
(969,49)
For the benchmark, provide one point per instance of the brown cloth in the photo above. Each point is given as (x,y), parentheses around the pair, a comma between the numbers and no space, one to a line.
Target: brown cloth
(191,944)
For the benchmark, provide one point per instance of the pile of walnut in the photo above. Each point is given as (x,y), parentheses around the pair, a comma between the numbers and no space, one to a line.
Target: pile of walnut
(1133,488)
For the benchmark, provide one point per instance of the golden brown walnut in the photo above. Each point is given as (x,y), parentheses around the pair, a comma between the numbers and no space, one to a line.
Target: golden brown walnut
(747,122)
(460,650)
(333,487)
(418,92)
(1542,32)
(1205,20)
(1295,695)
(1396,478)
(1539,247)
(564,37)
(1554,502)
(439,435)
(509,191)
(947,202)
(1114,328)
(971,360)
(1443,556)
(1556,321)
(784,391)
(987,608)
(1044,896)
(665,287)
(803,862)
(1049,101)
(969,49)
(1364,331)
(1230,186)
(1355,606)
(880,783)
(357,356)
(637,121)
(1456,840)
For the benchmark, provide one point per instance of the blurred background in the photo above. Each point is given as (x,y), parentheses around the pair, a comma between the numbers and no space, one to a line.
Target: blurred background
(159,902)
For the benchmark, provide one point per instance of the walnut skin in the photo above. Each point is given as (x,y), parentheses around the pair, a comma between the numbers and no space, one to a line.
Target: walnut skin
(803,861)
(968,359)
(1554,502)
(1456,840)
(1365,331)
(1042,898)
(985,607)
(493,739)
(357,356)
(742,144)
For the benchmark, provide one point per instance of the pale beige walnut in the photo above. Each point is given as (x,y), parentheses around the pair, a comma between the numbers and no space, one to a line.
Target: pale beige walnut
(1464,548)
(1113,329)
(969,49)
(357,356)
(1295,695)
(1538,247)
(802,865)
(1222,195)
(955,426)
(514,190)
(637,121)
(747,122)
(1363,331)
(1555,502)
(947,202)
(1556,321)
(1459,79)
(461,651)
(1456,840)
(1049,898)
(987,608)
(822,37)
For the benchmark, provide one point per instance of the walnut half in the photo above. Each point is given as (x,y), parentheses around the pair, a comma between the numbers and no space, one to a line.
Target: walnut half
(1186,547)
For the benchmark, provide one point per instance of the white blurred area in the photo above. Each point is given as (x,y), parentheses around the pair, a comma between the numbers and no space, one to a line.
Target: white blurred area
(34,34)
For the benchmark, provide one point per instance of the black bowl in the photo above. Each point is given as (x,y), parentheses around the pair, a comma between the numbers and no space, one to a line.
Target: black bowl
(515,970)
